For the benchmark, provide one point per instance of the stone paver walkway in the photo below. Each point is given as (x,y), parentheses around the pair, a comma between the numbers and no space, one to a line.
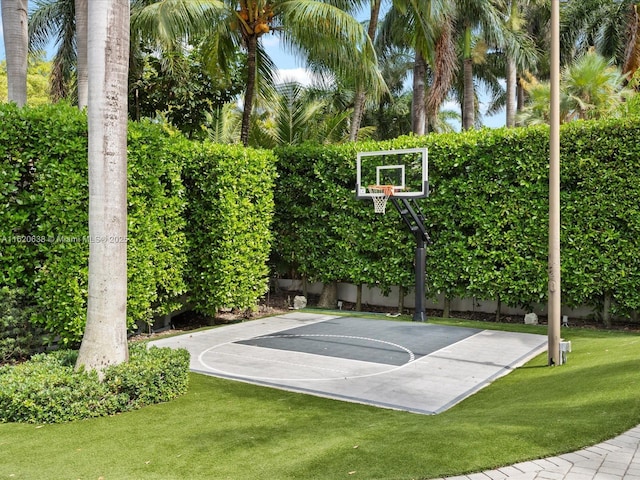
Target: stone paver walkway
(615,459)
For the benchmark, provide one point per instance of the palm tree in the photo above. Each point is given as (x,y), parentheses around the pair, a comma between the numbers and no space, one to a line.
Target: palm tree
(424,26)
(461,22)
(325,33)
(487,74)
(222,125)
(486,17)
(16,43)
(590,88)
(105,337)
(82,80)
(391,115)
(612,27)
(594,87)
(290,114)
(56,19)
(296,114)
(525,57)
(360,96)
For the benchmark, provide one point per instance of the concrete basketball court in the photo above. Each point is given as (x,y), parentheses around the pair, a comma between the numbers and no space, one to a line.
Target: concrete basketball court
(416,367)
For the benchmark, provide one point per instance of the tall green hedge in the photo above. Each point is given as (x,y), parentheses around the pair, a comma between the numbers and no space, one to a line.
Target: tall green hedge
(200,217)
(230,209)
(322,232)
(44,224)
(487,215)
(210,239)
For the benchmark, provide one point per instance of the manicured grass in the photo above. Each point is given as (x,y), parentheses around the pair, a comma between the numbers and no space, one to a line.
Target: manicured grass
(229,430)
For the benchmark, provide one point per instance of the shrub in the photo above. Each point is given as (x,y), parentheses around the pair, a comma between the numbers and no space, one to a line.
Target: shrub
(44,224)
(150,376)
(224,238)
(48,389)
(19,339)
(230,209)
(487,216)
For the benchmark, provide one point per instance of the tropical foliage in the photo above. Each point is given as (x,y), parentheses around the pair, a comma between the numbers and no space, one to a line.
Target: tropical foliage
(487,216)
(179,87)
(590,88)
(43,223)
(611,27)
(37,81)
(321,32)
(189,58)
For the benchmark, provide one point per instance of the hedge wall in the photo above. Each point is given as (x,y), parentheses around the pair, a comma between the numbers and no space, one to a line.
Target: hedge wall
(487,215)
(230,209)
(200,217)
(322,232)
(43,218)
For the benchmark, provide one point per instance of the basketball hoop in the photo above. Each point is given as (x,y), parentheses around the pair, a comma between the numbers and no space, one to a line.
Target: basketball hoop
(380,194)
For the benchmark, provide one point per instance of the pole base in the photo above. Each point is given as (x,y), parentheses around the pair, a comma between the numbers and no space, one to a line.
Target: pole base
(419,317)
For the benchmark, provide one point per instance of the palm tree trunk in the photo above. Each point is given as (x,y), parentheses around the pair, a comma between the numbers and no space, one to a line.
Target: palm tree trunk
(361,97)
(16,43)
(81,47)
(468,100)
(512,87)
(105,337)
(520,96)
(418,104)
(468,105)
(249,93)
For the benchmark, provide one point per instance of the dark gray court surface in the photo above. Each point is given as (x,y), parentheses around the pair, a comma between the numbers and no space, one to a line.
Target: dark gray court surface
(353,338)
(417,367)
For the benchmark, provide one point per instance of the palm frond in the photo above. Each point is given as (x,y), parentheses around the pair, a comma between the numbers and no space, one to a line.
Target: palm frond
(169,21)
(331,37)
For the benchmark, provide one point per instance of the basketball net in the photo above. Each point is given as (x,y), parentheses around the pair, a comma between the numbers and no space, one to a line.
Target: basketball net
(380,194)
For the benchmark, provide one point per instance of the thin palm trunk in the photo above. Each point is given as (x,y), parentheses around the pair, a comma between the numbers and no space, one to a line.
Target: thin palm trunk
(361,97)
(512,87)
(249,93)
(513,24)
(16,42)
(105,337)
(418,104)
(468,103)
(468,99)
(81,48)
(520,95)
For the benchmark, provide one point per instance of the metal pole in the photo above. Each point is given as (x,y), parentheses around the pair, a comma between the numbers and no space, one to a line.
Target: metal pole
(415,221)
(419,314)
(554,307)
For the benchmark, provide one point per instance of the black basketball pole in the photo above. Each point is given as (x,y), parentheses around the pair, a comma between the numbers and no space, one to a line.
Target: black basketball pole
(414,219)
(419,314)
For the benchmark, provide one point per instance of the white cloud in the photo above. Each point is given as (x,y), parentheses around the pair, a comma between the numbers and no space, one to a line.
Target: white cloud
(300,75)
(270,41)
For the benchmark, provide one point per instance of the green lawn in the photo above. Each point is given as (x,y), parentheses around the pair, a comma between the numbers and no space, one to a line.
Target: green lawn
(228,430)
